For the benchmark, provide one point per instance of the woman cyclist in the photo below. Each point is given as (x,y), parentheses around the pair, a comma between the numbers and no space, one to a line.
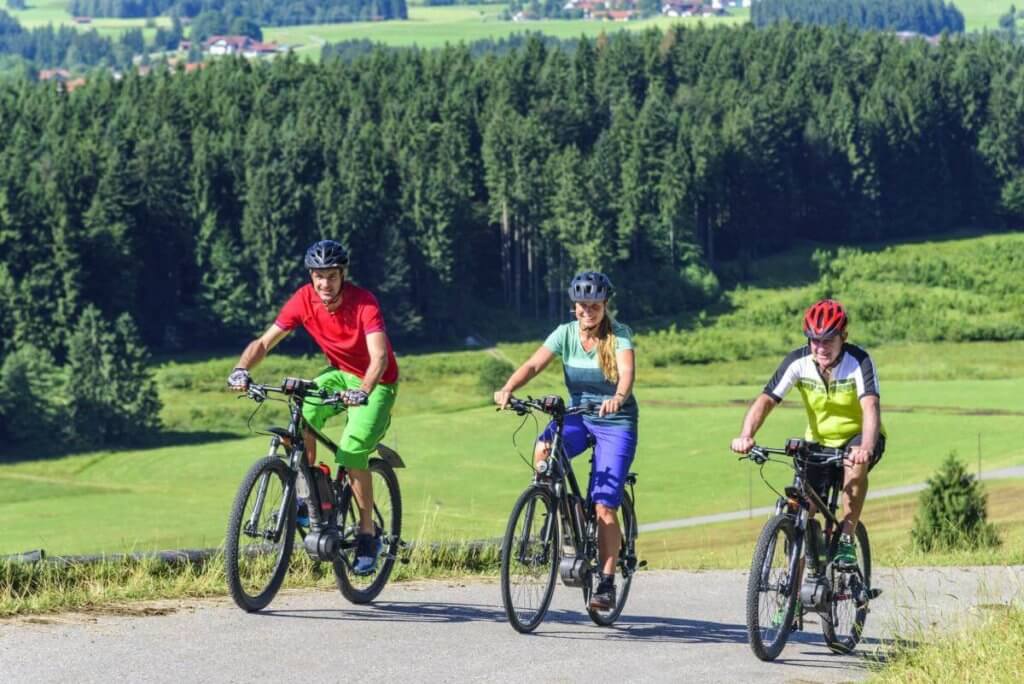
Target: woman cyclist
(598,361)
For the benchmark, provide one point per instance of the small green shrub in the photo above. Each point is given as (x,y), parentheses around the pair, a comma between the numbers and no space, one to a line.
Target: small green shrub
(493,373)
(953,512)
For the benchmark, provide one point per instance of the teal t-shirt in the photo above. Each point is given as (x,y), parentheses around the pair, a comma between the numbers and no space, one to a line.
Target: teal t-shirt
(583,376)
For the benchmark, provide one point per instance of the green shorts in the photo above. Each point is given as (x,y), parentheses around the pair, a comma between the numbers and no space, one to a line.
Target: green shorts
(366,425)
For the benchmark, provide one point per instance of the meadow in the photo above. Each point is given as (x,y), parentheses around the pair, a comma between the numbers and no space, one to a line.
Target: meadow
(429,27)
(466,463)
(44,12)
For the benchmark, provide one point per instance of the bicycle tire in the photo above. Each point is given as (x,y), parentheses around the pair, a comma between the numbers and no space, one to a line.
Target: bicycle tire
(625,566)
(387,517)
(768,641)
(841,634)
(532,551)
(241,565)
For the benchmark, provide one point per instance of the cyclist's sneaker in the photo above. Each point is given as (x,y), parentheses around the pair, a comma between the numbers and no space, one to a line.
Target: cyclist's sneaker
(603,597)
(846,553)
(367,550)
(302,517)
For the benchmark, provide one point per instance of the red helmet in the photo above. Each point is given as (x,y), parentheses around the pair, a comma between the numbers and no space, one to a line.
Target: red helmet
(824,319)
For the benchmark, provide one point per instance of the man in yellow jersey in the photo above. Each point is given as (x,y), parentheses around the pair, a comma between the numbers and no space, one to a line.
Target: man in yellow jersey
(839,386)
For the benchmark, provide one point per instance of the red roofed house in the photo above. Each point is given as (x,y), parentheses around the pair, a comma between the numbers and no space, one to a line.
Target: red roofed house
(54,75)
(238,45)
(226,45)
(259,49)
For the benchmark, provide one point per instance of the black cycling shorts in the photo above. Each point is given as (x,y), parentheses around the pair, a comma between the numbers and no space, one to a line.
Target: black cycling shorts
(822,477)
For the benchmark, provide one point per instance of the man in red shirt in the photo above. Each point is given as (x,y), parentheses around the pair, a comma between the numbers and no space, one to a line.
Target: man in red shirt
(346,323)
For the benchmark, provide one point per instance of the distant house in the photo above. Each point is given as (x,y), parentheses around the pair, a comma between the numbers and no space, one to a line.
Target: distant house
(73,84)
(238,45)
(82,20)
(256,49)
(905,36)
(226,45)
(614,15)
(54,75)
(682,8)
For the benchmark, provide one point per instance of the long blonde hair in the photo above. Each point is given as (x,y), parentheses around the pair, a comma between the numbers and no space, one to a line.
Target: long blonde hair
(606,344)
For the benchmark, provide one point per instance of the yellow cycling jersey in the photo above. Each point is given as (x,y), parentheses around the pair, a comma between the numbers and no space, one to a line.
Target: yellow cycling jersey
(834,414)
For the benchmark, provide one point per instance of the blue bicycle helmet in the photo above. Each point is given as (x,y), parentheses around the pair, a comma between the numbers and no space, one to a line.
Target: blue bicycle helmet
(590,286)
(326,254)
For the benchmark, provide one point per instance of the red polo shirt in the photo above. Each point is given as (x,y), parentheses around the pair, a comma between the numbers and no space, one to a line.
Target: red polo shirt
(341,334)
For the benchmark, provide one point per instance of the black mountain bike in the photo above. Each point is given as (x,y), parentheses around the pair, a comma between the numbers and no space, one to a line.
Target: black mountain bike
(263,521)
(553,531)
(777,597)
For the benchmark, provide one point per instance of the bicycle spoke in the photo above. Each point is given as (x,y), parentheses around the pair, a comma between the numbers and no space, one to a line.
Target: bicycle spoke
(529,557)
(770,591)
(256,552)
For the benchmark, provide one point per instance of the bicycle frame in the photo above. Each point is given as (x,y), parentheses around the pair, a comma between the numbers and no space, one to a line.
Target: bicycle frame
(292,439)
(799,501)
(555,473)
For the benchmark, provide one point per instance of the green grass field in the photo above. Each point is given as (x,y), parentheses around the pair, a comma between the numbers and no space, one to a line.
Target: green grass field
(464,471)
(430,27)
(730,545)
(43,12)
(983,14)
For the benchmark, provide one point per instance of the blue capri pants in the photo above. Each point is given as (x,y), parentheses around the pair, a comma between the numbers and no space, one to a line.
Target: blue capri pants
(614,449)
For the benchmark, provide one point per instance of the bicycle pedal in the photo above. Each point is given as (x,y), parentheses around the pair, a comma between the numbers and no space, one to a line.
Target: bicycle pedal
(874,593)
(641,564)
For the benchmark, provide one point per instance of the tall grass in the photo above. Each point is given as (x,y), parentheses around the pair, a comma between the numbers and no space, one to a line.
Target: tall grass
(992,651)
(107,586)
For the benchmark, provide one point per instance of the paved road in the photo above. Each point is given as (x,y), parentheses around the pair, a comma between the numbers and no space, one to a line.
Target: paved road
(678,626)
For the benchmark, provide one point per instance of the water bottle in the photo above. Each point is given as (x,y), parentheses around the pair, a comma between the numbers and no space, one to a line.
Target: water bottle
(301,487)
(322,473)
(301,499)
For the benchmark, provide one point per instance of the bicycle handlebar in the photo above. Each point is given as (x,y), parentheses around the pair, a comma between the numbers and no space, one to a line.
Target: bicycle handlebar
(291,387)
(551,405)
(798,449)
(297,387)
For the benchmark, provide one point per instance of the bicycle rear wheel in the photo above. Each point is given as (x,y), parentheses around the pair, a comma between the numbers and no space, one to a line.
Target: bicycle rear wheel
(387,523)
(771,590)
(625,567)
(257,549)
(848,610)
(529,559)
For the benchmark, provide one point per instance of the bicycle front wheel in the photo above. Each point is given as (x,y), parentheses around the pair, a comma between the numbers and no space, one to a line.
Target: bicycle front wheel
(259,542)
(771,588)
(848,610)
(625,567)
(529,559)
(387,525)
